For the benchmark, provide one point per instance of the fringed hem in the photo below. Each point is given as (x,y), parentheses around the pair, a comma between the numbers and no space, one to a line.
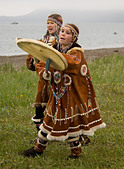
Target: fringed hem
(73,115)
(72,134)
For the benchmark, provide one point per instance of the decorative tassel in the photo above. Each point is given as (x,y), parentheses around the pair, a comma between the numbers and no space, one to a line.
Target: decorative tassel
(51,112)
(55,115)
(89,103)
(76,112)
(43,90)
(60,116)
(55,121)
(76,109)
(93,113)
(72,114)
(86,110)
(66,116)
(82,108)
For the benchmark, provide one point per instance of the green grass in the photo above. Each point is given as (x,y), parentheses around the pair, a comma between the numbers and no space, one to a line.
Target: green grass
(17,94)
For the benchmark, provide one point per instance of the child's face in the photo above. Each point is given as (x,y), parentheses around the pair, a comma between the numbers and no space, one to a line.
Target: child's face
(65,37)
(51,27)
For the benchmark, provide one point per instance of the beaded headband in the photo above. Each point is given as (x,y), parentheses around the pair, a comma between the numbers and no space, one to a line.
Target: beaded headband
(72,29)
(54,20)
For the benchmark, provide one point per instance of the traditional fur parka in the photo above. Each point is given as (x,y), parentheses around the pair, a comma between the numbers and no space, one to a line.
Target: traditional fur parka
(72,108)
(43,91)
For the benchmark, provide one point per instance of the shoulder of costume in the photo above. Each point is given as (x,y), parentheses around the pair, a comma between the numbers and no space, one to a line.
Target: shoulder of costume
(76,48)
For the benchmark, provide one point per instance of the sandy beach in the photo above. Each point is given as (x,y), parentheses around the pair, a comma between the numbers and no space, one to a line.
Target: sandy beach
(19,60)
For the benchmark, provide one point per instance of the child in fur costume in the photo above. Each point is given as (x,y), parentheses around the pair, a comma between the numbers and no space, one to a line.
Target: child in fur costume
(54,23)
(72,108)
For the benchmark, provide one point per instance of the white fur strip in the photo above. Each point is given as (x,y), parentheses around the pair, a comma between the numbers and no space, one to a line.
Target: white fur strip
(64,131)
(76,146)
(41,136)
(35,120)
(73,134)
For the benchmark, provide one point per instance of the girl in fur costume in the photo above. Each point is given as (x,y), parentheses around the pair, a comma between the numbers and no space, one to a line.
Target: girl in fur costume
(72,109)
(54,23)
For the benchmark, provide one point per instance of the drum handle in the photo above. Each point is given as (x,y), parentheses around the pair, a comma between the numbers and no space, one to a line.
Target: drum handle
(48,61)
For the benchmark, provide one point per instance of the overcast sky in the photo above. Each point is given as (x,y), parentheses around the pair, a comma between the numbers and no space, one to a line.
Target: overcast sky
(22,7)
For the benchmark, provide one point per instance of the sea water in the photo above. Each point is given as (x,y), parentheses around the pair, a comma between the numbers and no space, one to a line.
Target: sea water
(92,35)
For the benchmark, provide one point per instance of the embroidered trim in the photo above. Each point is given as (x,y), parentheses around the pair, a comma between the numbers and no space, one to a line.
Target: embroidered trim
(58,96)
(83,114)
(46,76)
(73,30)
(67,80)
(75,57)
(74,134)
(57,77)
(83,70)
(70,128)
(54,20)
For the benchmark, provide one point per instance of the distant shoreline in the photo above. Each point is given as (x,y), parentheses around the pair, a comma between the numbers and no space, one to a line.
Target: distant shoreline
(91,54)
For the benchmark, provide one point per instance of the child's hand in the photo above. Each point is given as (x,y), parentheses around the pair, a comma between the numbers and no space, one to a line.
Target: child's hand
(36,61)
(31,64)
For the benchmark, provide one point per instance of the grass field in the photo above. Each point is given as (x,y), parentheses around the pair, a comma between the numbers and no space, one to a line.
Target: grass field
(17,93)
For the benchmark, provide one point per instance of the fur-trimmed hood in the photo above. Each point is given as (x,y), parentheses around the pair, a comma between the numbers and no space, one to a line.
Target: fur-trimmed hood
(76,48)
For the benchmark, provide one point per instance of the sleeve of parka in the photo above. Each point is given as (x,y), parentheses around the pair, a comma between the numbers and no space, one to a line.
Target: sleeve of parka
(40,67)
(28,63)
(73,57)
